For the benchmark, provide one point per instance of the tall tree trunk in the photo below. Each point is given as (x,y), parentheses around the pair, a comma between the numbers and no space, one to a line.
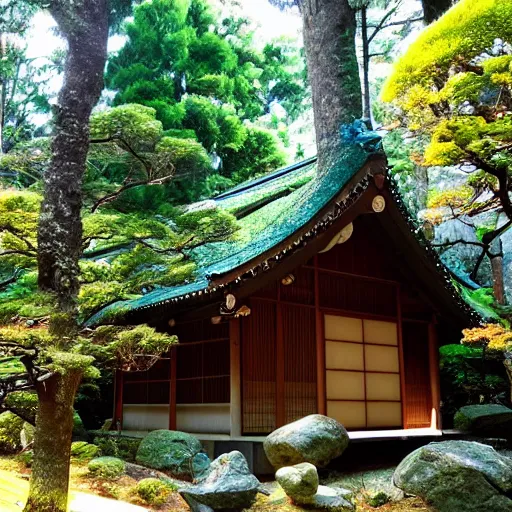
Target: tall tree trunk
(54,428)
(329,40)
(498,283)
(433,9)
(367,104)
(84,23)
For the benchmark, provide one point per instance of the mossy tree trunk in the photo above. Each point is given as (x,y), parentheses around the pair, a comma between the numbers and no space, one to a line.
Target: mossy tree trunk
(52,443)
(333,72)
(84,24)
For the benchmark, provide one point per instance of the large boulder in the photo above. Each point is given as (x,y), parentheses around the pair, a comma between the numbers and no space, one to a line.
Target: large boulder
(458,476)
(316,439)
(228,486)
(299,482)
(177,453)
(488,420)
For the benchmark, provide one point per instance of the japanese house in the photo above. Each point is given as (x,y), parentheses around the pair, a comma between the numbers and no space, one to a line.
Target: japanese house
(329,301)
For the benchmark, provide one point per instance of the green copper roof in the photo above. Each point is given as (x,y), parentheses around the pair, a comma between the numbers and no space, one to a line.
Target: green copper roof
(306,194)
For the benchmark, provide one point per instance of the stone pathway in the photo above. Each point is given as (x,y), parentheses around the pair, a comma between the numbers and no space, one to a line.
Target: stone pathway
(13,492)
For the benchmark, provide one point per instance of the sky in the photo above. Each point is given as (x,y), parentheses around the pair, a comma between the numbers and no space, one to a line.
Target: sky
(272,24)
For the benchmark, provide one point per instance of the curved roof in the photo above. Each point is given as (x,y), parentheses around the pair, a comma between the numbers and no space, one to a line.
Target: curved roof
(277,213)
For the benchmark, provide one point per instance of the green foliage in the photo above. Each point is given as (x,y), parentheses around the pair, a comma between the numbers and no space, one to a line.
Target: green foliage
(258,155)
(10,431)
(109,468)
(454,197)
(120,345)
(482,300)
(205,82)
(378,500)
(115,445)
(23,401)
(82,450)
(154,491)
(467,378)
(464,32)
(136,124)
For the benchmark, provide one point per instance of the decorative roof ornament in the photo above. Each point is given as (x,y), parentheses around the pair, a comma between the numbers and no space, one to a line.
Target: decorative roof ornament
(378,204)
(340,238)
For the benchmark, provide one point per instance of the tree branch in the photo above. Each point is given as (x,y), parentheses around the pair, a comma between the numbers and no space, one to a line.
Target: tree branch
(110,197)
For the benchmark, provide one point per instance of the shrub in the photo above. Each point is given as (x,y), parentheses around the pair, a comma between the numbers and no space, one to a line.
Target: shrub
(10,432)
(380,499)
(82,451)
(154,491)
(116,446)
(26,458)
(107,467)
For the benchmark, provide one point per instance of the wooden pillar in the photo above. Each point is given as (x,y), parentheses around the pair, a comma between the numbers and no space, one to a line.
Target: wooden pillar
(401,361)
(320,348)
(235,378)
(435,386)
(172,393)
(118,402)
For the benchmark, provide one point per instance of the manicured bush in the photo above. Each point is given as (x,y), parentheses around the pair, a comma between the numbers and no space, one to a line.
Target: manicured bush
(107,467)
(154,491)
(82,450)
(114,445)
(10,432)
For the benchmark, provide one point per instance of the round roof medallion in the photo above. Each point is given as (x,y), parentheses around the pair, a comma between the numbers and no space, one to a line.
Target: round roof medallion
(378,204)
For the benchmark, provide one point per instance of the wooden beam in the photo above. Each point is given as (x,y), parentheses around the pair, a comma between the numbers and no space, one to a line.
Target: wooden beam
(118,402)
(172,394)
(435,385)
(235,378)
(401,358)
(320,348)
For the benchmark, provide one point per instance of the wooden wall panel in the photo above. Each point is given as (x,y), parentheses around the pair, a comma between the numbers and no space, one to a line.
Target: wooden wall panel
(417,374)
(258,346)
(300,361)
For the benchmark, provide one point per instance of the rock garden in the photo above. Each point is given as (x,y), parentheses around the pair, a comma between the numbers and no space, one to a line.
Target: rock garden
(314,470)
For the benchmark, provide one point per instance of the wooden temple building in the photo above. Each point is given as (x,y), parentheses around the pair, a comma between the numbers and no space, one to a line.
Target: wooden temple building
(328,301)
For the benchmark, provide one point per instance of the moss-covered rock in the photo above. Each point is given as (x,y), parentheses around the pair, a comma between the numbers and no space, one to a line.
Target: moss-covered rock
(154,491)
(107,467)
(10,432)
(316,439)
(177,453)
(300,482)
(488,420)
(458,476)
(82,450)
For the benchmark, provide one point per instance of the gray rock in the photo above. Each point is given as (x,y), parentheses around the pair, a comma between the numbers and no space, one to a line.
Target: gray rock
(299,482)
(490,420)
(228,486)
(316,439)
(177,453)
(457,476)
(331,499)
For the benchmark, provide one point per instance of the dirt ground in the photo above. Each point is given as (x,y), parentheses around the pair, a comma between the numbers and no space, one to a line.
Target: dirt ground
(363,484)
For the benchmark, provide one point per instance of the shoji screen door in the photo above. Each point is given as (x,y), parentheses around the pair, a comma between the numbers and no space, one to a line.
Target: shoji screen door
(362,372)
